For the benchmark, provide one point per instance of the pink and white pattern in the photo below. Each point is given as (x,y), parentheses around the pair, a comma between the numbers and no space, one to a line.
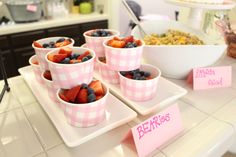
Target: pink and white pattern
(71,75)
(52,90)
(85,115)
(140,90)
(41,52)
(123,59)
(36,68)
(96,43)
(107,74)
(96,66)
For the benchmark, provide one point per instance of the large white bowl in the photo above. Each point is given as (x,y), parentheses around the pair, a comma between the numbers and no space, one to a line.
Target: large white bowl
(176,61)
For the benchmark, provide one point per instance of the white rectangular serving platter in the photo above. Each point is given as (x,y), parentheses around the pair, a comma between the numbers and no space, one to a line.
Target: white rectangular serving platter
(167,93)
(117,114)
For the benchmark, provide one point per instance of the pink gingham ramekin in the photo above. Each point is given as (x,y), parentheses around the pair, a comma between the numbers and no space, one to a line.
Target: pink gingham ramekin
(123,59)
(67,76)
(107,74)
(36,68)
(95,62)
(87,114)
(52,90)
(141,90)
(41,52)
(96,43)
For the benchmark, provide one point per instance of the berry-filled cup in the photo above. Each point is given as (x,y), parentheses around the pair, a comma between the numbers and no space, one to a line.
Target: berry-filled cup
(123,54)
(140,84)
(51,87)
(96,67)
(33,61)
(95,38)
(71,66)
(85,104)
(107,74)
(43,46)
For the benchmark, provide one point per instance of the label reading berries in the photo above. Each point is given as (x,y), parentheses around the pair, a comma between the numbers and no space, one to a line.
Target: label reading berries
(155,131)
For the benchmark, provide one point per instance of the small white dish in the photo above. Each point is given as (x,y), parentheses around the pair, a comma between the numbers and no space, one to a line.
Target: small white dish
(167,92)
(117,114)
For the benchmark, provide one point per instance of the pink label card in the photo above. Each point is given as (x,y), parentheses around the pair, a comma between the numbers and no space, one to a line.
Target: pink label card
(212,77)
(31,7)
(155,131)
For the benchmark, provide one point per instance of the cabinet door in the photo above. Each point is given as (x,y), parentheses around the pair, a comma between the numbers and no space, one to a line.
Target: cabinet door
(4,44)
(9,63)
(22,56)
(26,39)
(66,31)
(93,25)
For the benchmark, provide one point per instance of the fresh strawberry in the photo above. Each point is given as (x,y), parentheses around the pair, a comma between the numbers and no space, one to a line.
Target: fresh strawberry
(63,97)
(47,75)
(64,43)
(97,87)
(138,42)
(128,39)
(72,93)
(82,96)
(57,58)
(38,45)
(99,97)
(35,62)
(66,50)
(117,44)
(116,38)
(50,57)
(128,76)
(86,53)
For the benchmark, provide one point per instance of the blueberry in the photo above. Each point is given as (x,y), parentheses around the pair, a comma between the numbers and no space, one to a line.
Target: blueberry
(104,33)
(84,86)
(136,75)
(147,74)
(142,73)
(123,73)
(61,40)
(74,56)
(52,44)
(90,90)
(89,57)
(95,34)
(134,71)
(136,78)
(85,59)
(91,97)
(66,61)
(129,45)
(45,45)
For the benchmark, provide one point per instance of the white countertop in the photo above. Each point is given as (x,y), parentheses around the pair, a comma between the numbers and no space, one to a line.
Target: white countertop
(208,118)
(68,20)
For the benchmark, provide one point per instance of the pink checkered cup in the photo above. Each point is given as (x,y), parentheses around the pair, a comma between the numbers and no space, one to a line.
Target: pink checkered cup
(107,74)
(70,75)
(33,61)
(140,90)
(86,114)
(52,89)
(41,52)
(96,43)
(96,66)
(123,59)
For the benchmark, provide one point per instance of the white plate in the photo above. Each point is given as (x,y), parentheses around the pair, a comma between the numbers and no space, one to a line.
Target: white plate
(167,92)
(117,114)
